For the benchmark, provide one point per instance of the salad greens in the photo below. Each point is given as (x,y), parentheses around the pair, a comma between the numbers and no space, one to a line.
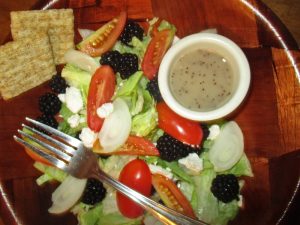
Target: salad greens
(142,108)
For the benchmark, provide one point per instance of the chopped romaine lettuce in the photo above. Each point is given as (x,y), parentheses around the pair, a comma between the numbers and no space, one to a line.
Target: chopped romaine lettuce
(166,25)
(64,126)
(50,173)
(137,47)
(144,123)
(209,209)
(95,216)
(77,78)
(241,168)
(128,86)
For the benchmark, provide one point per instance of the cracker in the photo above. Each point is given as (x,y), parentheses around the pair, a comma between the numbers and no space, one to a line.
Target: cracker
(58,23)
(25,64)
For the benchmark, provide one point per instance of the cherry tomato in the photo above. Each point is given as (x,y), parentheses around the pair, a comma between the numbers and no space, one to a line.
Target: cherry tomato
(37,157)
(104,38)
(156,49)
(101,90)
(136,174)
(134,146)
(154,30)
(182,129)
(171,195)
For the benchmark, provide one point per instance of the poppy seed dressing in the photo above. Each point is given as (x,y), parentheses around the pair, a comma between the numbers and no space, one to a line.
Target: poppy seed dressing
(201,80)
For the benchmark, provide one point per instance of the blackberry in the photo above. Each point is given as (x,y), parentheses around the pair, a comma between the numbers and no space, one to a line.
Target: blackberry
(58,84)
(225,187)
(171,149)
(153,88)
(48,120)
(128,65)
(111,58)
(49,104)
(131,29)
(94,192)
(205,130)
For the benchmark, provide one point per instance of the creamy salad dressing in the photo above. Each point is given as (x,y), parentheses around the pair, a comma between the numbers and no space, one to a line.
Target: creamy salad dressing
(201,80)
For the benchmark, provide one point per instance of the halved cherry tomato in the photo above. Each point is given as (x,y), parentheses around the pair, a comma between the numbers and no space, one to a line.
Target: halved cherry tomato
(36,157)
(101,90)
(156,49)
(154,30)
(136,174)
(134,146)
(171,195)
(184,130)
(104,38)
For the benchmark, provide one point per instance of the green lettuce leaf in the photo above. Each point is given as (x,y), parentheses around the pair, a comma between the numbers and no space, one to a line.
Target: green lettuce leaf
(242,167)
(95,216)
(64,126)
(144,123)
(50,173)
(136,47)
(78,78)
(209,209)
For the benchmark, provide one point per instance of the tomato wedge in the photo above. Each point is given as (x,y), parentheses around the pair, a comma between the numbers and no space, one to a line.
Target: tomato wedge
(171,195)
(104,38)
(184,130)
(36,157)
(101,90)
(156,49)
(134,146)
(136,174)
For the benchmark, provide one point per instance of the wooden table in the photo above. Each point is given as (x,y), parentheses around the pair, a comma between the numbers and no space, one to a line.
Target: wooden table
(269,118)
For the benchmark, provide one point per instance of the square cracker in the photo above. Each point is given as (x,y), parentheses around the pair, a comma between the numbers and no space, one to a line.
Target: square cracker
(25,64)
(58,23)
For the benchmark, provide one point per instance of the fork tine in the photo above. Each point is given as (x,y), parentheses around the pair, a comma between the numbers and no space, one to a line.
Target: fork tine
(67,138)
(56,162)
(47,146)
(65,147)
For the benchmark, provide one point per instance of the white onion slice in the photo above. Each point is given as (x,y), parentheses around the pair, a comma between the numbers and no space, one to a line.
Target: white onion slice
(81,60)
(67,194)
(84,33)
(116,127)
(228,147)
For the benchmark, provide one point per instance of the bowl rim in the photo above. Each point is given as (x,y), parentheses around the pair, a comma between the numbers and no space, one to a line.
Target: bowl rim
(242,86)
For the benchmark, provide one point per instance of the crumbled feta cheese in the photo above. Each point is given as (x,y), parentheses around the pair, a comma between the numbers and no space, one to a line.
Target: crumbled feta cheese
(62,97)
(192,162)
(73,99)
(214,131)
(74,120)
(88,137)
(105,109)
(158,169)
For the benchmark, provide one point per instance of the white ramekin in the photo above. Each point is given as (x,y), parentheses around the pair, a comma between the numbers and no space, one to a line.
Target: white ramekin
(211,42)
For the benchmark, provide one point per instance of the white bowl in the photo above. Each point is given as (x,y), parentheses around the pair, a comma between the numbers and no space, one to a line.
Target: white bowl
(214,43)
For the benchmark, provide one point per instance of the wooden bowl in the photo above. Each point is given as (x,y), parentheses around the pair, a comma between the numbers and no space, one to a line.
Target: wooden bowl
(269,118)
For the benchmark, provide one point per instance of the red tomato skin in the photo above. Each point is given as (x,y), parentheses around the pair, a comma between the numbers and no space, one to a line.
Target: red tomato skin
(133,146)
(171,195)
(94,51)
(184,130)
(136,175)
(155,51)
(101,90)
(139,145)
(37,157)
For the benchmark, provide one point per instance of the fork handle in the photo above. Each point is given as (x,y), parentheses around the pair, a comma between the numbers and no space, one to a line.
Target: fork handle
(166,215)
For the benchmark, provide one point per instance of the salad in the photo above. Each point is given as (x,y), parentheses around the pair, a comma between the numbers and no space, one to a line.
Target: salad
(107,96)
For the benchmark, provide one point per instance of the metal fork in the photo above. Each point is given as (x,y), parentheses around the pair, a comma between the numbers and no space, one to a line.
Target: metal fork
(74,158)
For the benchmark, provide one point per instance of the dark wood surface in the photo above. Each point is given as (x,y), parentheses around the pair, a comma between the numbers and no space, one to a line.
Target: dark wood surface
(269,117)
